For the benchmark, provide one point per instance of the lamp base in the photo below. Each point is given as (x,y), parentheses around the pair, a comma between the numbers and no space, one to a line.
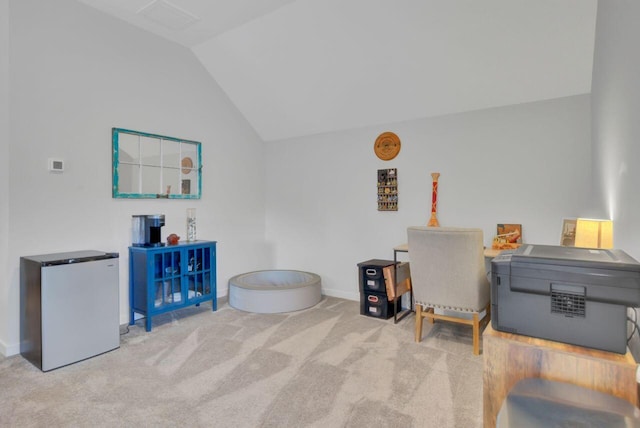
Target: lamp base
(433,221)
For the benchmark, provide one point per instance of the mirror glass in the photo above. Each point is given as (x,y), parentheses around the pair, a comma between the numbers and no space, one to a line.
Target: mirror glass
(155,166)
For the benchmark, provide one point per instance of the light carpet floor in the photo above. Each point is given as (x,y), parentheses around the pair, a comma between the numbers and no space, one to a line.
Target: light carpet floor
(327,366)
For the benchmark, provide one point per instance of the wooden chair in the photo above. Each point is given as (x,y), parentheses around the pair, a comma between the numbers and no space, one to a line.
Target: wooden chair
(448,273)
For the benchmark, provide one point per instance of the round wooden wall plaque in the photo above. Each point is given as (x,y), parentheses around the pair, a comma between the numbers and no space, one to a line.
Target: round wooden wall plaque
(387,146)
(187,165)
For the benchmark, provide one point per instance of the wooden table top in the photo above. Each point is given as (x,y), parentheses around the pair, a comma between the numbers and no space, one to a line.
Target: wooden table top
(488,252)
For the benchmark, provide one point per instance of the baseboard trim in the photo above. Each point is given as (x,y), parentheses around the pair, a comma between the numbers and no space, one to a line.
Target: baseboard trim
(9,350)
(341,294)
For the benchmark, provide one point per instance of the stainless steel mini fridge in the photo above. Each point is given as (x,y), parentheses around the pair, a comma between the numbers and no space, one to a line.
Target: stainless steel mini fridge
(69,307)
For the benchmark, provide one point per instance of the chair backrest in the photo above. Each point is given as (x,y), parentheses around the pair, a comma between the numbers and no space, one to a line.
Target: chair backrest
(448,268)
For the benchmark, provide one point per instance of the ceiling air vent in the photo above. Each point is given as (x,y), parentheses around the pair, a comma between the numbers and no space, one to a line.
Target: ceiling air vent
(168,15)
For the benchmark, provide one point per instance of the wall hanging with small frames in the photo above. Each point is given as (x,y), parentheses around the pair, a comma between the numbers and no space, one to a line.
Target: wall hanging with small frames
(388,189)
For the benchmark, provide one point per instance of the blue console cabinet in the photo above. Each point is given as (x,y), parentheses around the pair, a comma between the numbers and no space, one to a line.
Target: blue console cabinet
(163,279)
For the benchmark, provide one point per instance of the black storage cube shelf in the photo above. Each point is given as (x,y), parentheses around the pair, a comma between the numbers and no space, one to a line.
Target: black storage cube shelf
(373,290)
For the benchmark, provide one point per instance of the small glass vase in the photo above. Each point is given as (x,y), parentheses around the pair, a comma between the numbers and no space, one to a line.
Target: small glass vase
(191,224)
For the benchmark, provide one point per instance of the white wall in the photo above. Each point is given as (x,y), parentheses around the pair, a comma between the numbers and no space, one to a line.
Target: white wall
(527,164)
(616,119)
(4,168)
(75,74)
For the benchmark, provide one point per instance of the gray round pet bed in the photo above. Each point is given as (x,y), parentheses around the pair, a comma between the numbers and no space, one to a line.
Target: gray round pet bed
(274,291)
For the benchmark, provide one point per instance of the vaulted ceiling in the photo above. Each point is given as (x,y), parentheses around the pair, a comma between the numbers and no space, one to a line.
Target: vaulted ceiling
(300,67)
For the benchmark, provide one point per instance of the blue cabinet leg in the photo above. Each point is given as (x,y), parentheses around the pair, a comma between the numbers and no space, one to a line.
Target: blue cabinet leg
(148,323)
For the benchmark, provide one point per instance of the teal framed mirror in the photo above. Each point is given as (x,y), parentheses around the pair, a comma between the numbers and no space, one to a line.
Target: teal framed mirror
(155,166)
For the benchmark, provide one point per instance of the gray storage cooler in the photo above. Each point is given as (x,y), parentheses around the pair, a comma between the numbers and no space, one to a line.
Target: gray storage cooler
(535,403)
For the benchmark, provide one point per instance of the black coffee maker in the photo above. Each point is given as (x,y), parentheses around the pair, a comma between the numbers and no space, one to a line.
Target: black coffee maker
(153,224)
(147,230)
